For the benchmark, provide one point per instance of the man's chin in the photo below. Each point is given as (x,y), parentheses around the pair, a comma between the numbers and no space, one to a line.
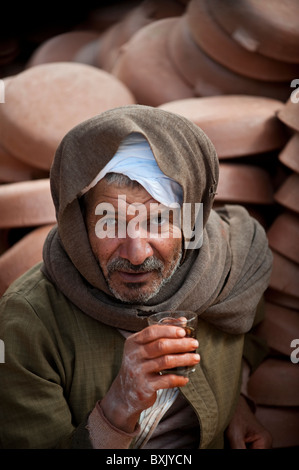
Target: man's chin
(135,293)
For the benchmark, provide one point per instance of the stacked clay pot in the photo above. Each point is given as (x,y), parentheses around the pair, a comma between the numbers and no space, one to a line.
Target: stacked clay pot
(42,103)
(247,137)
(203,58)
(274,385)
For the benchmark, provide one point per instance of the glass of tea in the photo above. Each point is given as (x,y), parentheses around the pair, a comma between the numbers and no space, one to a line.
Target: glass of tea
(184,319)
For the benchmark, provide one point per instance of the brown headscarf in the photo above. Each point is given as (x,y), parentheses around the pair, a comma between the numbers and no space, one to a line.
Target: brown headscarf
(222,281)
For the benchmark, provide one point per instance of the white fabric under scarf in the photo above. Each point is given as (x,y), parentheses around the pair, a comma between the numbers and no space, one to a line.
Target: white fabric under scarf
(134,158)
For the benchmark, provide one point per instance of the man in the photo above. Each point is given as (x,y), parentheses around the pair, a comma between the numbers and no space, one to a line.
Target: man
(136,234)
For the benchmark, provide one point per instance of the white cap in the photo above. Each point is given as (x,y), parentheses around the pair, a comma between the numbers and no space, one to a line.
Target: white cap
(135,159)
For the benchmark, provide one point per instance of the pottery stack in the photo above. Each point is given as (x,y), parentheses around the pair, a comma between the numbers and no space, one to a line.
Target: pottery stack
(41,104)
(274,385)
(247,137)
(205,53)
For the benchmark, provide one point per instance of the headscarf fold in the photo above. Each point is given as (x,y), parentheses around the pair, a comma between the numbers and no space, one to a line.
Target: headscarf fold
(222,281)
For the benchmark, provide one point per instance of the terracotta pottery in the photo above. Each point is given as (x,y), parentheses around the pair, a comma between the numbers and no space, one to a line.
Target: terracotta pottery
(207,76)
(147,12)
(144,66)
(61,48)
(239,183)
(26,204)
(270,28)
(22,256)
(13,170)
(285,275)
(238,125)
(288,193)
(275,383)
(289,155)
(289,114)
(221,47)
(279,327)
(88,53)
(282,423)
(282,299)
(44,102)
(283,235)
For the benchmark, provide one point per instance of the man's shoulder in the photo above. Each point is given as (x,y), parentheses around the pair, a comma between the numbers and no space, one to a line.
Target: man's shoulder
(32,287)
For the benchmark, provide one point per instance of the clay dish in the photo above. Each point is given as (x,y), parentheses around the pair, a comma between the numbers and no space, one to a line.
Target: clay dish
(288,193)
(238,125)
(244,184)
(275,383)
(44,102)
(279,327)
(61,48)
(144,66)
(88,53)
(289,114)
(270,28)
(221,47)
(120,33)
(283,235)
(13,170)
(285,275)
(282,423)
(208,77)
(26,204)
(282,299)
(289,155)
(22,256)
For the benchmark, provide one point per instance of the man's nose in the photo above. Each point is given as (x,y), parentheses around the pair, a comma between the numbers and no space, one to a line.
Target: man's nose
(136,249)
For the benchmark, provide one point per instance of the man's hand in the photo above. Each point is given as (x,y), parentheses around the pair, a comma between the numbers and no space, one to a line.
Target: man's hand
(245,431)
(147,353)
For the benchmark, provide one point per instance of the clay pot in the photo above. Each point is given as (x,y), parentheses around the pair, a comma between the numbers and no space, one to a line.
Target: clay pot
(88,53)
(279,327)
(144,66)
(282,299)
(289,114)
(285,275)
(120,33)
(26,204)
(275,383)
(61,48)
(238,125)
(289,155)
(270,28)
(221,47)
(44,102)
(288,193)
(244,184)
(283,235)
(207,76)
(13,170)
(282,423)
(22,256)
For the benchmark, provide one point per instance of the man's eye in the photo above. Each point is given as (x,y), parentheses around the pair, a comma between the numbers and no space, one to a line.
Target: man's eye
(110,221)
(159,220)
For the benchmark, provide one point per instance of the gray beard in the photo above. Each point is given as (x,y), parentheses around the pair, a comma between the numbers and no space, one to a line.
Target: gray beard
(149,264)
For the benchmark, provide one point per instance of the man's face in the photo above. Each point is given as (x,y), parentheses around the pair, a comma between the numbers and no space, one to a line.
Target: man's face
(137,246)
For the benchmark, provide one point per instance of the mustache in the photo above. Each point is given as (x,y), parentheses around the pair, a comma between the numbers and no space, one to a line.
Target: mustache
(122,264)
